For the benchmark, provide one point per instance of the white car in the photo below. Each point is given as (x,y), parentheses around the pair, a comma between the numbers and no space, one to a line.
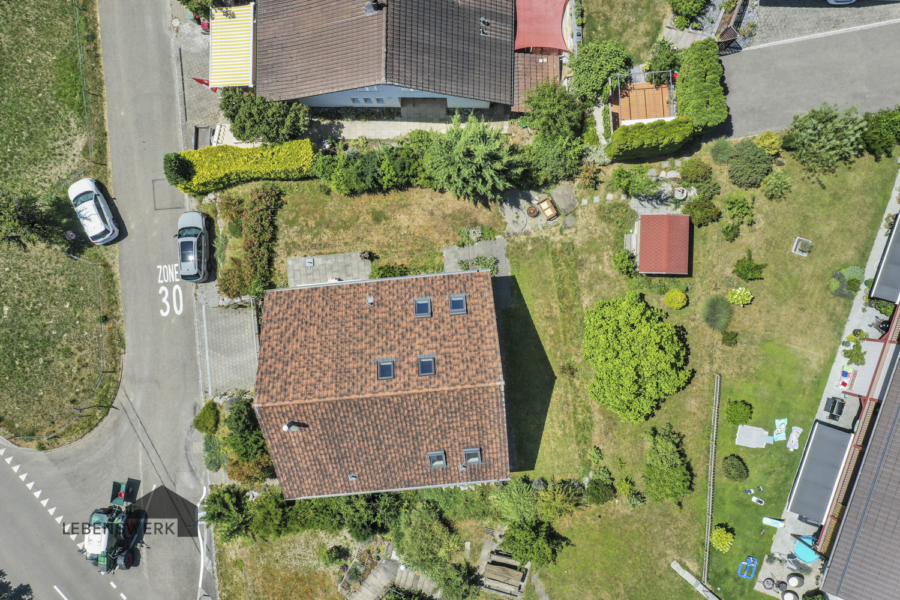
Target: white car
(93,211)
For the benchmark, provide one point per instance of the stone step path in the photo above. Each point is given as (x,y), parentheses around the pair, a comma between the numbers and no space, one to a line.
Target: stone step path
(413,580)
(378,580)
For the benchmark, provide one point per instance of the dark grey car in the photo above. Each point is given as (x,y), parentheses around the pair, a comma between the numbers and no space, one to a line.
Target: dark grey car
(193,246)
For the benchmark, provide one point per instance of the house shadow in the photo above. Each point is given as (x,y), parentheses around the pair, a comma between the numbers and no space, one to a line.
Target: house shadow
(529,380)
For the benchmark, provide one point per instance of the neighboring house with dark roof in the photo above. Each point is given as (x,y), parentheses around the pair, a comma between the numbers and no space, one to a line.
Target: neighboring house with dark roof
(354,53)
(385,384)
(663,244)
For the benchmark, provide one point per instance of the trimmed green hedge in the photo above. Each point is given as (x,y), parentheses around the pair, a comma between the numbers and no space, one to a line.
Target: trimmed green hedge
(699,90)
(219,167)
(649,139)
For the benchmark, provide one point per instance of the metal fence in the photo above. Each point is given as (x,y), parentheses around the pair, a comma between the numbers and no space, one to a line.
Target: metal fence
(712,473)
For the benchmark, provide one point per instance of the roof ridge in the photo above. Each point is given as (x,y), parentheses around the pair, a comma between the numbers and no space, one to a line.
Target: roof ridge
(501,383)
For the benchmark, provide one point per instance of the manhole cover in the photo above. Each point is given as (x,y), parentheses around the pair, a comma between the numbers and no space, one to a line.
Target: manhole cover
(176,22)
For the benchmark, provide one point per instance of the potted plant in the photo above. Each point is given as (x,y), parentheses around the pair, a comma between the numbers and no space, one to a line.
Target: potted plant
(805,246)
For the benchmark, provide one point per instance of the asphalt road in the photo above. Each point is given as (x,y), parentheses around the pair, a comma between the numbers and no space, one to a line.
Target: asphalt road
(147,437)
(768,85)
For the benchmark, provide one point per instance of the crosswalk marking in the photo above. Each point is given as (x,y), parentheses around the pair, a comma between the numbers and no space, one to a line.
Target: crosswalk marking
(59,519)
(37,494)
(45,501)
(51,511)
(23,476)
(30,485)
(9,460)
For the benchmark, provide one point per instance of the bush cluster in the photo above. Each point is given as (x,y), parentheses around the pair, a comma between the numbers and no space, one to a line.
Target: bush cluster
(643,140)
(376,170)
(252,274)
(667,473)
(776,185)
(207,420)
(825,137)
(738,412)
(675,299)
(769,141)
(592,67)
(634,180)
(385,270)
(687,8)
(696,170)
(561,134)
(664,57)
(702,211)
(624,264)
(720,150)
(747,269)
(740,296)
(749,164)
(882,132)
(735,468)
(701,96)
(218,167)
(716,312)
(255,118)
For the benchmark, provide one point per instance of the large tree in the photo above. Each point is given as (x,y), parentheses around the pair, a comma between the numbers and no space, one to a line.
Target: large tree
(473,162)
(637,357)
(594,65)
(825,136)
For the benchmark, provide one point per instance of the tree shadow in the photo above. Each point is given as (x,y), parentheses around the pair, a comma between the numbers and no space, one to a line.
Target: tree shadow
(20,592)
(529,379)
(59,217)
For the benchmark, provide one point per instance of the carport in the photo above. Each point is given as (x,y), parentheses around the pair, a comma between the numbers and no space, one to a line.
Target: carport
(820,468)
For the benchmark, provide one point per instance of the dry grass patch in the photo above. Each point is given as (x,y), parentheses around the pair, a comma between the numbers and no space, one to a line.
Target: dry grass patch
(634,23)
(285,568)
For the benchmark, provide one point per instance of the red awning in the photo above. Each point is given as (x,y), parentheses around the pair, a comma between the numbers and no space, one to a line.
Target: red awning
(539,24)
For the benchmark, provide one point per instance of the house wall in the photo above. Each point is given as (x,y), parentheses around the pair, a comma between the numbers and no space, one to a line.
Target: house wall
(388,94)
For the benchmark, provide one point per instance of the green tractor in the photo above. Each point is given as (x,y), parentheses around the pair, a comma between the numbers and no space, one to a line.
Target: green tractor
(114,531)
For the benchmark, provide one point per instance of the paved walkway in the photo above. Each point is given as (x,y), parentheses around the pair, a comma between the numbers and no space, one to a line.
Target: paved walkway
(308,270)
(788,19)
(702,589)
(384,130)
(495,248)
(767,86)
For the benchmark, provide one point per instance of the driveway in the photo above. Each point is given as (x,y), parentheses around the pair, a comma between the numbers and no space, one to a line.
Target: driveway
(147,437)
(766,86)
(788,19)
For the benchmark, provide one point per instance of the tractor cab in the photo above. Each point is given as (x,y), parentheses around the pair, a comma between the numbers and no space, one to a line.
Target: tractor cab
(109,544)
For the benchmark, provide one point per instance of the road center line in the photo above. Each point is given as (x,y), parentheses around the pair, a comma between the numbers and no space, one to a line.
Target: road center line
(112,584)
(60,593)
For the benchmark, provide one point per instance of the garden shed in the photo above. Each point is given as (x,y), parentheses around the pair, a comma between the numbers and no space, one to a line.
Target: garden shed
(663,244)
(820,467)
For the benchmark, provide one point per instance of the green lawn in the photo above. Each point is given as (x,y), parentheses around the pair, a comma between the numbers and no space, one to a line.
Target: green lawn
(634,23)
(49,331)
(788,337)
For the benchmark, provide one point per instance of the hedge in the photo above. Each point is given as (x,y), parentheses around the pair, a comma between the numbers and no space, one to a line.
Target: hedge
(699,90)
(649,139)
(219,167)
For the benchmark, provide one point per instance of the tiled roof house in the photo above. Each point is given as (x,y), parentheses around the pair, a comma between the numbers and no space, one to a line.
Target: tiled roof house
(386,384)
(388,53)
(664,244)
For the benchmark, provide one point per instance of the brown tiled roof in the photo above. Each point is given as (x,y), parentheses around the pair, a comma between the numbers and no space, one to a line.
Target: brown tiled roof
(664,244)
(863,565)
(317,366)
(312,47)
(531,71)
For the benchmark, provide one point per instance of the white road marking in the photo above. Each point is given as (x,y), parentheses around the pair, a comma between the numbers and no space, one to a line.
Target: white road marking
(73,536)
(154,487)
(37,494)
(112,584)
(60,593)
(2,451)
(824,34)
(80,546)
(206,346)
(30,485)
(16,468)
(23,476)
(202,544)
(44,502)
(9,460)
(59,519)
(124,597)
(51,511)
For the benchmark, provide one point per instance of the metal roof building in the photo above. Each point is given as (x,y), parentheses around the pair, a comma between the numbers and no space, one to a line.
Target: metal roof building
(820,469)
(887,278)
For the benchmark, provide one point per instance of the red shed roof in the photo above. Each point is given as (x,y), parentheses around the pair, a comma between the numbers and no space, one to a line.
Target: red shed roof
(539,24)
(664,244)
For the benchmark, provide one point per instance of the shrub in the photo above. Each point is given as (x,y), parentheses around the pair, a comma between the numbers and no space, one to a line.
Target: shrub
(556,502)
(214,454)
(664,57)
(634,180)
(735,468)
(716,312)
(555,113)
(480,262)
(226,509)
(382,271)
(884,307)
(335,555)
(592,67)
(738,412)
(231,207)
(666,473)
(721,150)
(535,542)
(424,540)
(682,22)
(702,212)
(178,169)
(687,8)
(749,165)
(589,175)
(590,132)
(729,338)
(623,263)
(599,492)
(268,514)
(748,270)
(675,299)
(854,272)
(220,167)
(634,498)
(700,94)
(721,539)
(207,420)
(253,471)
(550,161)
(805,246)
(245,437)
(643,140)
(769,141)
(696,170)
(731,231)
(739,208)
(357,172)
(472,162)
(855,355)
(740,296)
(824,137)
(638,358)
(882,132)
(255,118)
(596,155)
(707,190)
(516,501)
(776,185)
